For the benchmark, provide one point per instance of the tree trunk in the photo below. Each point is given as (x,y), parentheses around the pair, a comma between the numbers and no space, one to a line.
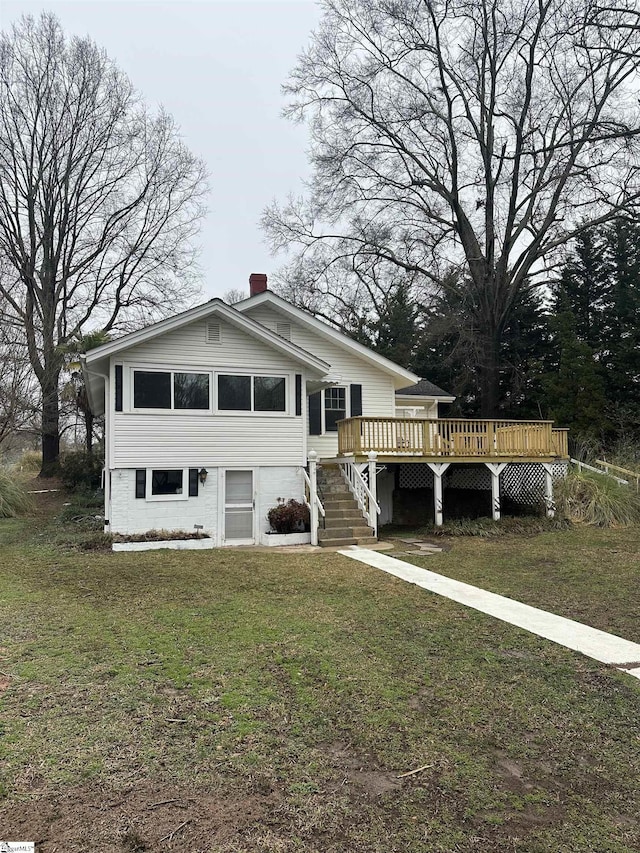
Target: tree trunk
(88,426)
(50,424)
(489,376)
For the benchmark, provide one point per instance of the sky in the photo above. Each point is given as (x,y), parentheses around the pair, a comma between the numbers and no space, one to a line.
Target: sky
(217,66)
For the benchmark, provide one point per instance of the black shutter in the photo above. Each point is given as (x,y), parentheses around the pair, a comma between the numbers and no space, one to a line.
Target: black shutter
(118,387)
(141,483)
(193,482)
(315,414)
(298,394)
(356,400)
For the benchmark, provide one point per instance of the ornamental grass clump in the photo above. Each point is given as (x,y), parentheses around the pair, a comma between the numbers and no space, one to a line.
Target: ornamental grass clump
(14,499)
(597,500)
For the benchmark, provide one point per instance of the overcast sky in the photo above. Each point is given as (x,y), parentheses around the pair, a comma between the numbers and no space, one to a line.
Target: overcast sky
(217,67)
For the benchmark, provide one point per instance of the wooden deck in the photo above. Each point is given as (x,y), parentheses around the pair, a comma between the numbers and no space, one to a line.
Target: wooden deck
(452,439)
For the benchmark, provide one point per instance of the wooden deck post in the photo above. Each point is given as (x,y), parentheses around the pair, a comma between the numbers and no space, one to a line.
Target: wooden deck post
(373,475)
(438,469)
(313,495)
(496,469)
(548,489)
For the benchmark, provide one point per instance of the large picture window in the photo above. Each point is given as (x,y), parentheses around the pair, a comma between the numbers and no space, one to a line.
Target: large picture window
(156,389)
(252,393)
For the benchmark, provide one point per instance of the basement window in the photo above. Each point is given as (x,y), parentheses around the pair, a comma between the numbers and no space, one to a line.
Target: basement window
(166,484)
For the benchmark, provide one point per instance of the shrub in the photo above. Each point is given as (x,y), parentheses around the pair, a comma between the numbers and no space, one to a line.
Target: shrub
(289,516)
(14,499)
(159,536)
(30,462)
(79,470)
(597,500)
(484,528)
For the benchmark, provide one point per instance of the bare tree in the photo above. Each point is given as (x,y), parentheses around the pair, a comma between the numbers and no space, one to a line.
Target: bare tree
(99,201)
(482,135)
(233,296)
(19,401)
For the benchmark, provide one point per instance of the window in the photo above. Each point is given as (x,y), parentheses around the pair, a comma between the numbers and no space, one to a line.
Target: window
(161,484)
(234,393)
(191,390)
(151,390)
(252,393)
(335,408)
(268,394)
(166,482)
(155,389)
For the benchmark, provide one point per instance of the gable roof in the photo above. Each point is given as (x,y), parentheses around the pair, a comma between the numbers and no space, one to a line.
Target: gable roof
(424,388)
(95,362)
(281,305)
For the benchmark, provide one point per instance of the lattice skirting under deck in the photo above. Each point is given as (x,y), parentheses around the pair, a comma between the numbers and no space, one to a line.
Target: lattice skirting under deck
(521,482)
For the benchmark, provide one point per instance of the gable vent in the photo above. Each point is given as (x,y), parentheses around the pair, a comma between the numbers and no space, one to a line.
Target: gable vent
(214,334)
(284,330)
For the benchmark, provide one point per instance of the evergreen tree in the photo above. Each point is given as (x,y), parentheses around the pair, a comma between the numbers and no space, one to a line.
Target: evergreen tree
(394,333)
(621,334)
(574,391)
(450,351)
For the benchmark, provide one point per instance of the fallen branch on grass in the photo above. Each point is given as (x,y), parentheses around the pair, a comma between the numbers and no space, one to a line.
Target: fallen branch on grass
(169,837)
(413,772)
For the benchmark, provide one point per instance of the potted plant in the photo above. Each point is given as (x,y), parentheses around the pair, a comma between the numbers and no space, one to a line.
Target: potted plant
(290,523)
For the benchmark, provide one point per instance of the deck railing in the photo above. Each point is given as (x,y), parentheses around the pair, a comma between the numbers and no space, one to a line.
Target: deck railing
(457,437)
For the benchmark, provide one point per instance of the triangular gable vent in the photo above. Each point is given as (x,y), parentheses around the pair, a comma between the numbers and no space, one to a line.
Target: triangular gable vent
(214,333)
(284,330)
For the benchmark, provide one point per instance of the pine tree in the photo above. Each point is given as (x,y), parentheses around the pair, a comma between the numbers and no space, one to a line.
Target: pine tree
(621,334)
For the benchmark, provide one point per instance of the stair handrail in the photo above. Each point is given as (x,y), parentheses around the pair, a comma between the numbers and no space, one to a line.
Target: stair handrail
(319,503)
(602,473)
(360,490)
(314,503)
(632,475)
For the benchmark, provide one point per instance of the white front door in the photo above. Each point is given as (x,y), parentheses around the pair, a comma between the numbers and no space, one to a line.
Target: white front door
(238,507)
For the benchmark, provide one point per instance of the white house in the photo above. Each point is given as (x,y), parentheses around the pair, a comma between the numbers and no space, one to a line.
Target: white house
(214,414)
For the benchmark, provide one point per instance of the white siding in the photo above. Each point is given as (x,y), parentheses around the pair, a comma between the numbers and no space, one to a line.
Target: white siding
(193,440)
(137,515)
(129,514)
(276,483)
(378,392)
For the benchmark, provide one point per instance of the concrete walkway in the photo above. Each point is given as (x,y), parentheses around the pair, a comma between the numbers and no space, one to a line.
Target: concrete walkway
(599,645)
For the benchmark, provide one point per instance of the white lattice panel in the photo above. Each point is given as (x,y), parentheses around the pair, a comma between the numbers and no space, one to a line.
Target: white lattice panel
(415,477)
(468,477)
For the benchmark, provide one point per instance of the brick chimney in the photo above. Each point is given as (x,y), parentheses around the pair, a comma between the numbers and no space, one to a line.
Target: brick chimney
(257,283)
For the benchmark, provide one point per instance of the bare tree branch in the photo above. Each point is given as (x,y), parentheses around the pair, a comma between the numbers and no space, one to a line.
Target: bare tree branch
(481,135)
(100,201)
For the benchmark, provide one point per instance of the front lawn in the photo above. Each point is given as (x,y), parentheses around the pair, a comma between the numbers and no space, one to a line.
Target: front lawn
(583,573)
(248,701)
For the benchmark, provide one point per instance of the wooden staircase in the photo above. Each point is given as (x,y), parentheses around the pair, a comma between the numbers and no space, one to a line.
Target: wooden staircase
(344,523)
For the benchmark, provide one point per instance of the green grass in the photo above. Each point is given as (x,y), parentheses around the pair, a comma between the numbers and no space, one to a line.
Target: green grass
(584,573)
(307,683)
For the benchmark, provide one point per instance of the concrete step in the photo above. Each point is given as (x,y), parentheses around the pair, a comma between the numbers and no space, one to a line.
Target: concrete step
(339,503)
(345,532)
(363,541)
(336,543)
(346,515)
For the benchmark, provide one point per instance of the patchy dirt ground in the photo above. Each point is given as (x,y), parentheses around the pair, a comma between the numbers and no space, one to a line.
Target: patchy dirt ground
(48,496)
(142,817)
